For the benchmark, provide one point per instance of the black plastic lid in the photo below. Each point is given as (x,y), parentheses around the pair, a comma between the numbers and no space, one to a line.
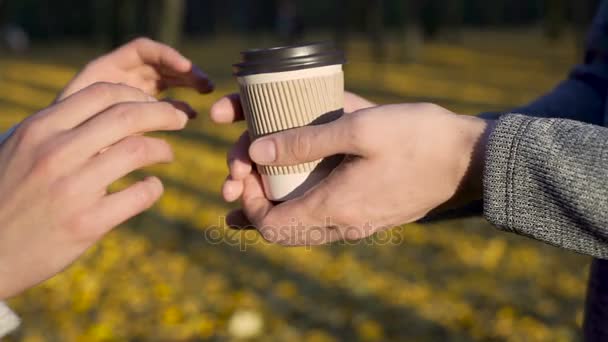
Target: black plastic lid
(288,58)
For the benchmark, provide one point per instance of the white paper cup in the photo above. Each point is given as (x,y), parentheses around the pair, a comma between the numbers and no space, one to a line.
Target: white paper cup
(289,87)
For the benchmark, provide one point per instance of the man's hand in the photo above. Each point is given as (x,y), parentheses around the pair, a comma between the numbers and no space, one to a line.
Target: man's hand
(228,110)
(56,168)
(403,162)
(143,64)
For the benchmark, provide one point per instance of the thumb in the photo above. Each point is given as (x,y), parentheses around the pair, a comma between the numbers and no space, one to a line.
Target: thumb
(306,144)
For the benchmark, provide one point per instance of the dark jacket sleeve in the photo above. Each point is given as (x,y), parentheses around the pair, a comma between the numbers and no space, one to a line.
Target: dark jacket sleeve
(582,97)
(548,179)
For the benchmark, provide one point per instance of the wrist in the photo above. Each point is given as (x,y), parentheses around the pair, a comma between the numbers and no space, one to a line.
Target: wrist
(473,158)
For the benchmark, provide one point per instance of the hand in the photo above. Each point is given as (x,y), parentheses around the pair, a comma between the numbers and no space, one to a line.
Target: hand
(404,162)
(228,110)
(143,64)
(56,168)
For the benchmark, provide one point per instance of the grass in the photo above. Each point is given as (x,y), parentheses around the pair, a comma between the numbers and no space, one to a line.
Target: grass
(164,277)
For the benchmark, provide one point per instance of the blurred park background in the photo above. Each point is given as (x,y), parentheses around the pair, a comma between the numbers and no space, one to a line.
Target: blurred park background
(176,274)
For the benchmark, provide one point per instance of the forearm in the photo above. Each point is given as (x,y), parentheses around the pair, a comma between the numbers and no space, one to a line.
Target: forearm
(548,179)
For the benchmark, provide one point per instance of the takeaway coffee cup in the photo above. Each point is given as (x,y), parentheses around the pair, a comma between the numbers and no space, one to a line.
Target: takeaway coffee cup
(287,87)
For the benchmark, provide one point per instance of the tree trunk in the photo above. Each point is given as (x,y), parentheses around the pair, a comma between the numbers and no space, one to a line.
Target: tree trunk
(412,31)
(101,14)
(171,21)
(453,14)
(116,25)
(375,23)
(555,18)
(583,11)
(341,23)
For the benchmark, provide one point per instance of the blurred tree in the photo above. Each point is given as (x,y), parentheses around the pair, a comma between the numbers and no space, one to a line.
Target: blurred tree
(3,13)
(120,12)
(453,16)
(583,12)
(341,29)
(100,14)
(430,17)
(375,29)
(556,16)
(171,21)
(289,22)
(412,31)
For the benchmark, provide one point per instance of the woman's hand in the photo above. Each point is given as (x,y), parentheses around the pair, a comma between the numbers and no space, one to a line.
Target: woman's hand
(143,64)
(56,167)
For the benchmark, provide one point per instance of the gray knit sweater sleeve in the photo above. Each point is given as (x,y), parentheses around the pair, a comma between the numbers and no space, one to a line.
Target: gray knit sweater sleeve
(548,179)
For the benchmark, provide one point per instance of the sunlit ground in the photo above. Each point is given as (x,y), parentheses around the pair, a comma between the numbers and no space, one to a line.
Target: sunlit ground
(164,275)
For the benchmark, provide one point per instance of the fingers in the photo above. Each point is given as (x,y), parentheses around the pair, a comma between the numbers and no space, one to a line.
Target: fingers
(353,102)
(86,103)
(174,69)
(114,209)
(279,224)
(227,110)
(239,166)
(310,143)
(239,162)
(184,107)
(232,189)
(123,120)
(255,204)
(147,51)
(128,155)
(237,219)
(157,62)
(195,79)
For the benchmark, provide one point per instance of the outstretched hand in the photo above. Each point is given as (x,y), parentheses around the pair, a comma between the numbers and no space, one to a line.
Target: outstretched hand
(143,64)
(404,162)
(56,167)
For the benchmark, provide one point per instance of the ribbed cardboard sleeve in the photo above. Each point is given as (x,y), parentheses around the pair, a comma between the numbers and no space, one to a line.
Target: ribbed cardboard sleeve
(271,107)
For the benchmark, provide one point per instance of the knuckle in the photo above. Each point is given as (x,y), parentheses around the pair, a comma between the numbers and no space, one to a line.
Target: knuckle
(138,149)
(358,123)
(29,131)
(171,117)
(357,128)
(165,151)
(115,92)
(49,161)
(105,90)
(301,147)
(65,189)
(145,196)
(141,41)
(79,227)
(125,116)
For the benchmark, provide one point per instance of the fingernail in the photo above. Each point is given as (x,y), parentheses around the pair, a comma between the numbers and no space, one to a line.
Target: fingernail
(185,117)
(205,87)
(192,114)
(263,151)
(198,72)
